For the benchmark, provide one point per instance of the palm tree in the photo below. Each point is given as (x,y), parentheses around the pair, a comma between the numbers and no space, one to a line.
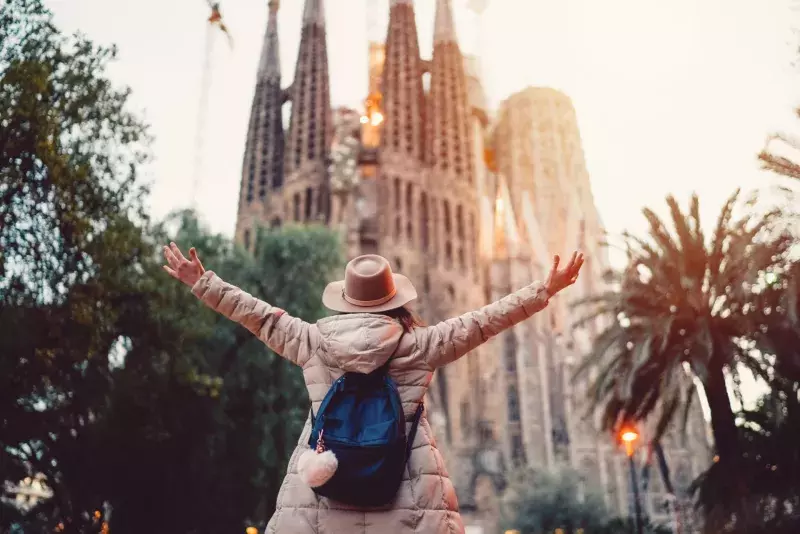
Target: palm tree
(689,306)
(774,157)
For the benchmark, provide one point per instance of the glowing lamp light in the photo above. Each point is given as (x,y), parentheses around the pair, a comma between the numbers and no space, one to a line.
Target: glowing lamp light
(377,118)
(251,530)
(628,436)
(364,119)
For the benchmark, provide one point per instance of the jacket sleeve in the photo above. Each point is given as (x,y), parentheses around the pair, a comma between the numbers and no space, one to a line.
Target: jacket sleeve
(288,336)
(451,339)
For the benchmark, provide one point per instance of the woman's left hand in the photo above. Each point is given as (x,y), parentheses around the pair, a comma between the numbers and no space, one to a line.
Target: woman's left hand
(188,272)
(559,279)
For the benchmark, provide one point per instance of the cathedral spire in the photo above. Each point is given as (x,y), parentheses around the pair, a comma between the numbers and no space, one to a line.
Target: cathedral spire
(262,169)
(314,13)
(403,97)
(448,140)
(444,30)
(310,125)
(310,128)
(270,64)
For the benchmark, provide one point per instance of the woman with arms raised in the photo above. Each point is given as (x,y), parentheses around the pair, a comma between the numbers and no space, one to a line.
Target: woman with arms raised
(367,461)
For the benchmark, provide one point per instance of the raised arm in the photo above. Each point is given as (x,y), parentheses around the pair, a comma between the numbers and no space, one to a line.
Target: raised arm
(449,340)
(288,336)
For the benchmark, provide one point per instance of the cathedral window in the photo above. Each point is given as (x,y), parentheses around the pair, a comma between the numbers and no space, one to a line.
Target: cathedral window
(247,239)
(277,175)
(424,221)
(275,223)
(517,449)
(513,404)
(460,221)
(447,222)
(410,231)
(297,206)
(398,227)
(309,202)
(473,226)
(510,353)
(397,194)
(462,263)
(448,253)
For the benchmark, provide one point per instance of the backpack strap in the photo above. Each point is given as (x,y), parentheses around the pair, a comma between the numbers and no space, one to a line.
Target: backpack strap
(412,433)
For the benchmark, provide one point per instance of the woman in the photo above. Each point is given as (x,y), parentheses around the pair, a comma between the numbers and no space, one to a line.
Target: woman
(373,327)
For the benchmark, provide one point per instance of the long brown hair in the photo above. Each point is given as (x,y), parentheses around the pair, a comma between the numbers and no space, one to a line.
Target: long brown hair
(402,315)
(405,317)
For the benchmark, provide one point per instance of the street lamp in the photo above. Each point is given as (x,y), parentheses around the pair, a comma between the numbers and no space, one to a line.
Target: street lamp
(629,436)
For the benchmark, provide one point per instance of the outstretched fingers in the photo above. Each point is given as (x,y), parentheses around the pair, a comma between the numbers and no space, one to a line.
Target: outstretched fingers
(575,268)
(572,260)
(170,257)
(177,252)
(553,270)
(195,259)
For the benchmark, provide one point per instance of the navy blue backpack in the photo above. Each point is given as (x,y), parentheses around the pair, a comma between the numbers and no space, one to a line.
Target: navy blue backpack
(362,422)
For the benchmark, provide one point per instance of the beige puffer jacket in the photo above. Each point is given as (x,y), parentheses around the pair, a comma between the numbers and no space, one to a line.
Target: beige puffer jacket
(426,502)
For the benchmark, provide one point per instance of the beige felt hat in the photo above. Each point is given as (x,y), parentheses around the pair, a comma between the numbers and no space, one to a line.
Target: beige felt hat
(369,286)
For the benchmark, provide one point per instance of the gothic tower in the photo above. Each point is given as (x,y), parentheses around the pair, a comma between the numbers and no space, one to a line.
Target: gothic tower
(306,193)
(453,210)
(404,204)
(403,97)
(262,169)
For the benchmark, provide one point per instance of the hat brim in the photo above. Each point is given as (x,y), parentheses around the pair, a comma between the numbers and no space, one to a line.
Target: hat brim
(333,298)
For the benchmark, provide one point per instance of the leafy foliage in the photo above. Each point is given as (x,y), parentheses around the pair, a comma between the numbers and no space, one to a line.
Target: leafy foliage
(715,306)
(541,502)
(116,385)
(205,436)
(70,255)
(778,161)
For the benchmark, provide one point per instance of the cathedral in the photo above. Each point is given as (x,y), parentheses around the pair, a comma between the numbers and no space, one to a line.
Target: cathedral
(470,204)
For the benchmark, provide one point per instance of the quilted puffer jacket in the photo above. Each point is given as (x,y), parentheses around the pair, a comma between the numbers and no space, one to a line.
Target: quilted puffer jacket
(426,502)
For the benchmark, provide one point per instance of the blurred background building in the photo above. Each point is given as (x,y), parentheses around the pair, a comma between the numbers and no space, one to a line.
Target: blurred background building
(470,205)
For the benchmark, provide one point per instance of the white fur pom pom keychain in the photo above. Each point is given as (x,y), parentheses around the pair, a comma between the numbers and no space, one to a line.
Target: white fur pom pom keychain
(316,467)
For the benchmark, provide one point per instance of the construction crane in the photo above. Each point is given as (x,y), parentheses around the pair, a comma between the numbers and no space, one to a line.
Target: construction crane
(214,24)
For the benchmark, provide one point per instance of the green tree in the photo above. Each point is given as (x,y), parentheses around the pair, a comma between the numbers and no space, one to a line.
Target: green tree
(687,301)
(200,441)
(69,251)
(115,383)
(539,502)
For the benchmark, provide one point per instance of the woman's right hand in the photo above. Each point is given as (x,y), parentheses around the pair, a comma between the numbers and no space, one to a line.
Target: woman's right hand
(559,279)
(188,272)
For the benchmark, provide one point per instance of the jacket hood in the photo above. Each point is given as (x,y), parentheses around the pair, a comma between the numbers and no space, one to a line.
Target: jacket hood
(360,342)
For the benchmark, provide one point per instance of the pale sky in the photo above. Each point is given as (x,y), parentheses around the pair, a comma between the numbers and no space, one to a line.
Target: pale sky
(671,97)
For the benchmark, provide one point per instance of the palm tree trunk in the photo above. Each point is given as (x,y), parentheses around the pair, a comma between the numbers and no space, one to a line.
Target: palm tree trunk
(726,435)
(723,421)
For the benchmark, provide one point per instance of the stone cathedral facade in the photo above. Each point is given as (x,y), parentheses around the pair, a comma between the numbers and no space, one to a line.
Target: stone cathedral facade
(470,208)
